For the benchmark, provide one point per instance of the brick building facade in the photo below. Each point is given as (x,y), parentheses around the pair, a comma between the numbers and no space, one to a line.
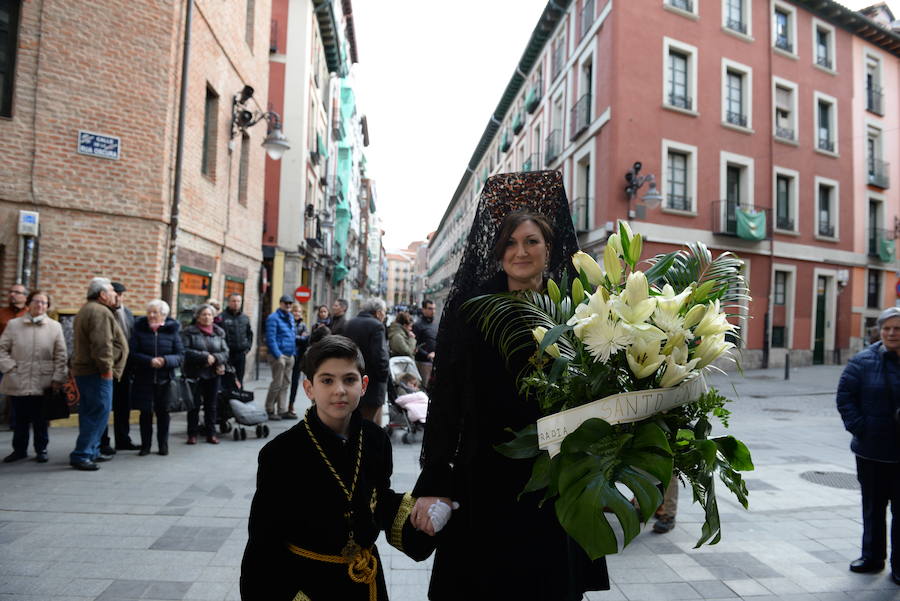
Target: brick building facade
(114,69)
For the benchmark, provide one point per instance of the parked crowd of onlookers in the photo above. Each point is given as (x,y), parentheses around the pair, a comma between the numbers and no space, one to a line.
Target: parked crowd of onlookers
(119,363)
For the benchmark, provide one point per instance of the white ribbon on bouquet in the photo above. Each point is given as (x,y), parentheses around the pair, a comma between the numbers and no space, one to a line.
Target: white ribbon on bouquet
(623,408)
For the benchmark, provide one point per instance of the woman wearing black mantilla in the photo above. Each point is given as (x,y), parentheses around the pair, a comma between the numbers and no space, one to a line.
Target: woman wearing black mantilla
(498,545)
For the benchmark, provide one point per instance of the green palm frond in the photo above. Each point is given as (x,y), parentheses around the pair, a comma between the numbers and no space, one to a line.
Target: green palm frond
(695,263)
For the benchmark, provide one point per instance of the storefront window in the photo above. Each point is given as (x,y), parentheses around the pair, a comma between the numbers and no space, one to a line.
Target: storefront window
(193,291)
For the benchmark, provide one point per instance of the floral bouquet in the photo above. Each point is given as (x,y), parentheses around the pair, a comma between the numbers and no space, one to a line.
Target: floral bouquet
(639,341)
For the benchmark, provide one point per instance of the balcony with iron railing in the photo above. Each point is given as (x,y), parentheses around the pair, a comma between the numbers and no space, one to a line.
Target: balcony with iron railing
(783,43)
(505,141)
(553,146)
(532,163)
(874,98)
(738,119)
(737,25)
(581,116)
(678,202)
(559,55)
(586,19)
(313,230)
(533,99)
(881,243)
(336,191)
(823,61)
(685,5)
(825,228)
(680,101)
(753,223)
(784,133)
(784,222)
(518,122)
(580,217)
(878,174)
(826,143)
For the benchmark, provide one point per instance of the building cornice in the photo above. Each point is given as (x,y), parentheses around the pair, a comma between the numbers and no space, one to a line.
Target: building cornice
(854,22)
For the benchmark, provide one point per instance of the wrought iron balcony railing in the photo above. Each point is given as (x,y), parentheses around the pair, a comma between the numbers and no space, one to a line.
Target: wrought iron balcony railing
(553,146)
(725,221)
(874,98)
(736,118)
(785,133)
(826,144)
(823,61)
(581,116)
(680,101)
(878,174)
(783,222)
(880,242)
(685,5)
(679,203)
(826,228)
(783,43)
(533,99)
(736,25)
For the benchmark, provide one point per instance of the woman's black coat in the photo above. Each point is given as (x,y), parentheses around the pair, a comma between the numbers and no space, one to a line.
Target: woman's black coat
(197,346)
(145,344)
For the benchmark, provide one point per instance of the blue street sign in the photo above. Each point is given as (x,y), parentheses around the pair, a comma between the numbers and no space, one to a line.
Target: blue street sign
(98,145)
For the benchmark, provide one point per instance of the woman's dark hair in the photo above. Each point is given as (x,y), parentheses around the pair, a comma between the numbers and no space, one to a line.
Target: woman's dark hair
(403,318)
(332,347)
(34,293)
(514,220)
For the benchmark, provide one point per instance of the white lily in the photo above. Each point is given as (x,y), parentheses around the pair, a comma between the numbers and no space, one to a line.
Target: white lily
(539,333)
(612,264)
(675,373)
(713,322)
(635,304)
(644,358)
(596,306)
(603,337)
(711,348)
(584,262)
(646,332)
(671,303)
(615,242)
(694,315)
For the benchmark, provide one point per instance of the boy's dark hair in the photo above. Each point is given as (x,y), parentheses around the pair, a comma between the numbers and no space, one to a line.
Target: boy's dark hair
(319,332)
(332,347)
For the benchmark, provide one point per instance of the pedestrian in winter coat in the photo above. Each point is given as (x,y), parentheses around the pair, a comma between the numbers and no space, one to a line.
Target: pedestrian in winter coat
(121,403)
(100,355)
(302,342)
(156,350)
(238,334)
(282,343)
(339,316)
(17,305)
(367,331)
(33,360)
(867,398)
(205,358)
(425,329)
(323,317)
(401,340)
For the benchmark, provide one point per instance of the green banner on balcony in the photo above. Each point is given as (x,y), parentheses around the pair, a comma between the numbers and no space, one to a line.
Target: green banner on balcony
(751,225)
(886,250)
(321,148)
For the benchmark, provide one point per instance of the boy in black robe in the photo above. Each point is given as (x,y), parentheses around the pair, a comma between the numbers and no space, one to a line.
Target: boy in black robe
(323,494)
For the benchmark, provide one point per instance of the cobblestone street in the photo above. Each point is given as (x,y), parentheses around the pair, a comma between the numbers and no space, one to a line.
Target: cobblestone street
(175,527)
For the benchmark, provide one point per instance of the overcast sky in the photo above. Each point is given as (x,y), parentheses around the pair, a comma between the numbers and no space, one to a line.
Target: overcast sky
(430,74)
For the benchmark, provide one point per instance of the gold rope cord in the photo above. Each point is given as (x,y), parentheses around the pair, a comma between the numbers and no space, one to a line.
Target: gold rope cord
(362,568)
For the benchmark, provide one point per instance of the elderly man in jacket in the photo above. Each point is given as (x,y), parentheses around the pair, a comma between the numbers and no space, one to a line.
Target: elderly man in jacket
(367,331)
(238,334)
(280,339)
(868,402)
(100,355)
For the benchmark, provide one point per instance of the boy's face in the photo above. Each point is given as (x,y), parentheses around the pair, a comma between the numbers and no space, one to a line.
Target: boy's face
(335,389)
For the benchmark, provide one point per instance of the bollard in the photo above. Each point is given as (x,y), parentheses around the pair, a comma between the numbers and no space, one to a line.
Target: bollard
(787,366)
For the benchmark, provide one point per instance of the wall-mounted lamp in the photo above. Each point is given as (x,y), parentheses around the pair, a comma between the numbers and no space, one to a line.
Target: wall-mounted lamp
(242,118)
(651,199)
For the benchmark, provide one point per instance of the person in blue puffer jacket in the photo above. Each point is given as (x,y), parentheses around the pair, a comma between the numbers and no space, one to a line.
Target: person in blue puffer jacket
(867,398)
(282,345)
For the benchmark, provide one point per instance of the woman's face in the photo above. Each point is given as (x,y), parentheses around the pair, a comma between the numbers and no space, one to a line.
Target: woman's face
(154,315)
(526,253)
(323,312)
(298,313)
(38,305)
(205,318)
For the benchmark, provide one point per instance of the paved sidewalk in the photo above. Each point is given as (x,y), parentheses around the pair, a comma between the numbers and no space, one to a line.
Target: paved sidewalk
(174,527)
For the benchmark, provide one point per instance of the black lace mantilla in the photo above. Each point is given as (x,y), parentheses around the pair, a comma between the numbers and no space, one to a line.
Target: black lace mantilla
(538,191)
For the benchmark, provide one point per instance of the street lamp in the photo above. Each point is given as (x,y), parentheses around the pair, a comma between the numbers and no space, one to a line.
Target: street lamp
(651,199)
(276,143)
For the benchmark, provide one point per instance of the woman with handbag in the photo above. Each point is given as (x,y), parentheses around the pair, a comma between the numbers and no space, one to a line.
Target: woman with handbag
(205,358)
(156,351)
(32,360)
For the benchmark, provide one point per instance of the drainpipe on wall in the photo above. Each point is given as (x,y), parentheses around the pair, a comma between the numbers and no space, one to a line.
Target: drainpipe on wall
(168,285)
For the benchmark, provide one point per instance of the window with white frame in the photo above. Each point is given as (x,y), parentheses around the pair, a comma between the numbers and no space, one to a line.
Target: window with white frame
(737,93)
(826,208)
(784,27)
(680,78)
(736,189)
(785,110)
(736,16)
(786,195)
(780,294)
(876,220)
(874,93)
(823,45)
(826,122)
(687,6)
(873,289)
(679,176)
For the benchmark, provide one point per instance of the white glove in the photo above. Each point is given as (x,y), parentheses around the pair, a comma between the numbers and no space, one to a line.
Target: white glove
(439,514)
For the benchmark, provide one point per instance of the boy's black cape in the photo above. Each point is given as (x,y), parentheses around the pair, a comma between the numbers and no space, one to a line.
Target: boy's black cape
(299,502)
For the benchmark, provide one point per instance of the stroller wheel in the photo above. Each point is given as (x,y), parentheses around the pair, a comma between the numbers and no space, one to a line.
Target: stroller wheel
(407,439)
(237,435)
(243,434)
(225,427)
(259,431)
(265,431)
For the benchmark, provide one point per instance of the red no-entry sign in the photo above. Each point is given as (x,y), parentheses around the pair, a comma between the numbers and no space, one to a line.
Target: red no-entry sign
(302,294)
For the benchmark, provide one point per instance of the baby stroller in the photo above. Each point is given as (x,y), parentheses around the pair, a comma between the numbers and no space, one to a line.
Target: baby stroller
(409,413)
(235,402)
